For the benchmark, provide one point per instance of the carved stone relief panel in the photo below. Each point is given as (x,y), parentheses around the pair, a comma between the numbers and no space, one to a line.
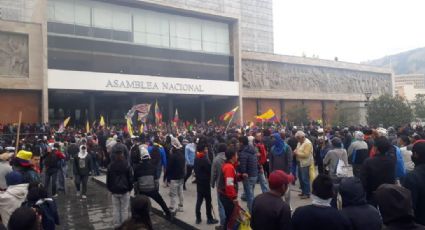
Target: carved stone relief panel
(13,55)
(260,75)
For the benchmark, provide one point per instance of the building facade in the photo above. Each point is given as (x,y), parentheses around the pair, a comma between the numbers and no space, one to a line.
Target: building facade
(86,58)
(409,85)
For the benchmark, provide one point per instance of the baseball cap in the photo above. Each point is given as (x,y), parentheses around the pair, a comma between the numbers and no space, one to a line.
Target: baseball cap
(278,178)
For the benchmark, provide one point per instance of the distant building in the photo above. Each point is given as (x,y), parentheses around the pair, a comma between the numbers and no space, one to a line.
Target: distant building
(85,58)
(409,85)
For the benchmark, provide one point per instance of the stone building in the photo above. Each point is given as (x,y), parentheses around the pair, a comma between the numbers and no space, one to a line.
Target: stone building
(409,85)
(85,58)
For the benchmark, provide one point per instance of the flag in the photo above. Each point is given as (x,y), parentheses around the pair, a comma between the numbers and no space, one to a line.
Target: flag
(63,125)
(158,114)
(141,128)
(176,116)
(129,127)
(102,121)
(87,127)
(228,115)
(267,116)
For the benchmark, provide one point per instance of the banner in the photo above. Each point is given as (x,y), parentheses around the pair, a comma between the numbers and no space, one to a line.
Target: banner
(158,114)
(228,115)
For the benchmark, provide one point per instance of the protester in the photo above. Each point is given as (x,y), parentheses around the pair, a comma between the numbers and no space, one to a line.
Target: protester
(140,215)
(175,173)
(216,176)
(38,199)
(304,155)
(202,168)
(415,181)
(333,157)
(403,142)
(358,152)
(190,152)
(51,164)
(22,164)
(248,167)
(82,171)
(5,168)
(147,181)
(355,207)
(119,181)
(378,170)
(261,154)
(320,214)
(228,184)
(14,195)
(120,147)
(269,211)
(395,205)
(24,218)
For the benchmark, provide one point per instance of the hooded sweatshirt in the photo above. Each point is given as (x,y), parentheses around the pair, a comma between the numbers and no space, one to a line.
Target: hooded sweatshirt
(355,207)
(280,156)
(5,168)
(12,199)
(82,163)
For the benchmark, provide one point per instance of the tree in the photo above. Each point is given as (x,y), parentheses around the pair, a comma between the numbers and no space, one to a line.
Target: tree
(298,115)
(419,106)
(345,115)
(389,111)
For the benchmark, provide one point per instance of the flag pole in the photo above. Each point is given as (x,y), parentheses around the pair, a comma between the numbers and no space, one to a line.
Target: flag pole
(19,130)
(231,119)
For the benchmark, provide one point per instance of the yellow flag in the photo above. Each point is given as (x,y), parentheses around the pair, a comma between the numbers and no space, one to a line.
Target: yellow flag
(66,121)
(102,121)
(87,127)
(129,127)
(141,128)
(267,115)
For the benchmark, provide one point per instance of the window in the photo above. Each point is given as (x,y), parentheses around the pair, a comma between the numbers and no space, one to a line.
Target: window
(186,33)
(102,17)
(215,37)
(64,11)
(151,28)
(82,14)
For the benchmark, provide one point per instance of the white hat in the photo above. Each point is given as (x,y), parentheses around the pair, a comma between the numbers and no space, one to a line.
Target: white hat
(299,134)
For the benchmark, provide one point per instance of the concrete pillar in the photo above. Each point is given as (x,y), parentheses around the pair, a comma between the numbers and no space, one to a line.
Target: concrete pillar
(257,106)
(92,108)
(237,67)
(202,109)
(170,108)
(324,117)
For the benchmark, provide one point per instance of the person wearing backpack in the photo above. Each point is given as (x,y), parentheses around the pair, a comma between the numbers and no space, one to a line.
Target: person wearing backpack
(38,199)
(146,181)
(82,163)
(119,180)
(280,158)
(52,165)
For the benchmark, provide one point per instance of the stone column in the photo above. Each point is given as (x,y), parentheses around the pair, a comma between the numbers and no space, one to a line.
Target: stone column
(202,109)
(92,108)
(170,102)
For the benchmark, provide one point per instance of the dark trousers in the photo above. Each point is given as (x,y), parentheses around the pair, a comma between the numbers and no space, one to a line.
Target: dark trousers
(189,169)
(51,176)
(81,179)
(228,208)
(158,199)
(203,191)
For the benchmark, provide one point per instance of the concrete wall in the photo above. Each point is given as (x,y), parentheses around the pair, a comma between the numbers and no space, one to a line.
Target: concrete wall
(14,101)
(27,17)
(256,18)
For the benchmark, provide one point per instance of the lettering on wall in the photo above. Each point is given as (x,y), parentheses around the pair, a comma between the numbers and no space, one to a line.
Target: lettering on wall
(162,86)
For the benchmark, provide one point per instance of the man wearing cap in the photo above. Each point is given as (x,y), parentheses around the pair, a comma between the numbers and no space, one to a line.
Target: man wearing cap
(358,152)
(22,164)
(304,155)
(13,197)
(269,211)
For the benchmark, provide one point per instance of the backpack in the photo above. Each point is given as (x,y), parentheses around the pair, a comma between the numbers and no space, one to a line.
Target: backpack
(147,183)
(51,161)
(120,182)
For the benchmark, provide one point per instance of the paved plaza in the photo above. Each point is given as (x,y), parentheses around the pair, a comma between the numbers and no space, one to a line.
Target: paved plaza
(95,212)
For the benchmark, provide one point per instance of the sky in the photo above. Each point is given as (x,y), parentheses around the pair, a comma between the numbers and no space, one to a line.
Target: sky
(352,30)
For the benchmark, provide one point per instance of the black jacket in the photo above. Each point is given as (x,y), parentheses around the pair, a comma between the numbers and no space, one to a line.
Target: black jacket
(202,168)
(119,178)
(176,168)
(355,207)
(415,182)
(145,177)
(375,172)
(248,161)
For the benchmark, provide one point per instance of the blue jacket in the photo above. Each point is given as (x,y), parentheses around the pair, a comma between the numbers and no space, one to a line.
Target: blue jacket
(248,162)
(189,153)
(161,152)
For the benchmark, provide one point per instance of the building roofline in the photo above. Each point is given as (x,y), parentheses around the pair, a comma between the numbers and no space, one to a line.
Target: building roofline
(248,55)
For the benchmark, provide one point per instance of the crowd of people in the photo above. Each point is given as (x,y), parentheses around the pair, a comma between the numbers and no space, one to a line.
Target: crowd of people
(356,177)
